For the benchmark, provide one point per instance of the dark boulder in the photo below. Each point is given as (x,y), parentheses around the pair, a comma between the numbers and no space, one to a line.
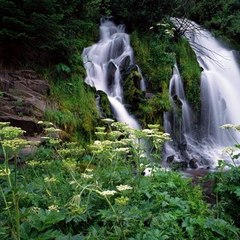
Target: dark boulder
(170,159)
(193,163)
(111,69)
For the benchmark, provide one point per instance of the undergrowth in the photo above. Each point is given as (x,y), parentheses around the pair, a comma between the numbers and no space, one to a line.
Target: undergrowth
(76,111)
(66,191)
(227,181)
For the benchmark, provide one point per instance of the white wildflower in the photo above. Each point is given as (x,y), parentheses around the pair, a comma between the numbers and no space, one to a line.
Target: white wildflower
(33,163)
(149,131)
(107,192)
(52,130)
(229,150)
(108,120)
(97,142)
(122,150)
(87,176)
(50,179)
(35,209)
(228,126)
(123,187)
(107,143)
(53,208)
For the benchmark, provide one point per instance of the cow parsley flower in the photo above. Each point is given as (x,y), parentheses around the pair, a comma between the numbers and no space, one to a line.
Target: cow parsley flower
(53,208)
(50,179)
(107,192)
(122,200)
(87,176)
(123,187)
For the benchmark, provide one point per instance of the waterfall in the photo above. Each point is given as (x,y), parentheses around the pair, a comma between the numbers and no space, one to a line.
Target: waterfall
(104,63)
(178,121)
(220,99)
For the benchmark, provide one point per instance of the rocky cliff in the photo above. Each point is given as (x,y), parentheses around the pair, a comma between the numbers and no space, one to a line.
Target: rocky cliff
(23,99)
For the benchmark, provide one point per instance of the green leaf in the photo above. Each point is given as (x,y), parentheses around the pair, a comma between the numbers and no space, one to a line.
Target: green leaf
(237,191)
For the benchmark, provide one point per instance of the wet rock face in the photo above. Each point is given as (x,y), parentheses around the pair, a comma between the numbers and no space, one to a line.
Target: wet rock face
(23,98)
(193,163)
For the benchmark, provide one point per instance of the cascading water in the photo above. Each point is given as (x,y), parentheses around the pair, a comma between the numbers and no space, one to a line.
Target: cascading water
(220,101)
(178,121)
(104,62)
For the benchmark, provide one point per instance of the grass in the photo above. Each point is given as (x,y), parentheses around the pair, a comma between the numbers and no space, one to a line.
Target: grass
(76,110)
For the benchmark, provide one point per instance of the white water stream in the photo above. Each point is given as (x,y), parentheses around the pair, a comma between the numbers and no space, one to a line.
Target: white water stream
(220,96)
(104,62)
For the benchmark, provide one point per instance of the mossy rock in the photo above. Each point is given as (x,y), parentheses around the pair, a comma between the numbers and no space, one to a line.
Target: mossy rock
(190,72)
(151,110)
(132,92)
(154,56)
(104,105)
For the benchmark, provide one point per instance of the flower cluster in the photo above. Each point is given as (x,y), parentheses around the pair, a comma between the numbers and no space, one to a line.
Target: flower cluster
(9,132)
(53,208)
(122,200)
(35,209)
(50,179)
(14,144)
(107,192)
(231,126)
(123,187)
(87,176)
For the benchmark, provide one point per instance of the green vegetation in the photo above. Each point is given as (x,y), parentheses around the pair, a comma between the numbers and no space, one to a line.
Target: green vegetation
(104,105)
(190,72)
(42,32)
(67,192)
(222,17)
(227,184)
(76,111)
(151,110)
(154,54)
(132,92)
